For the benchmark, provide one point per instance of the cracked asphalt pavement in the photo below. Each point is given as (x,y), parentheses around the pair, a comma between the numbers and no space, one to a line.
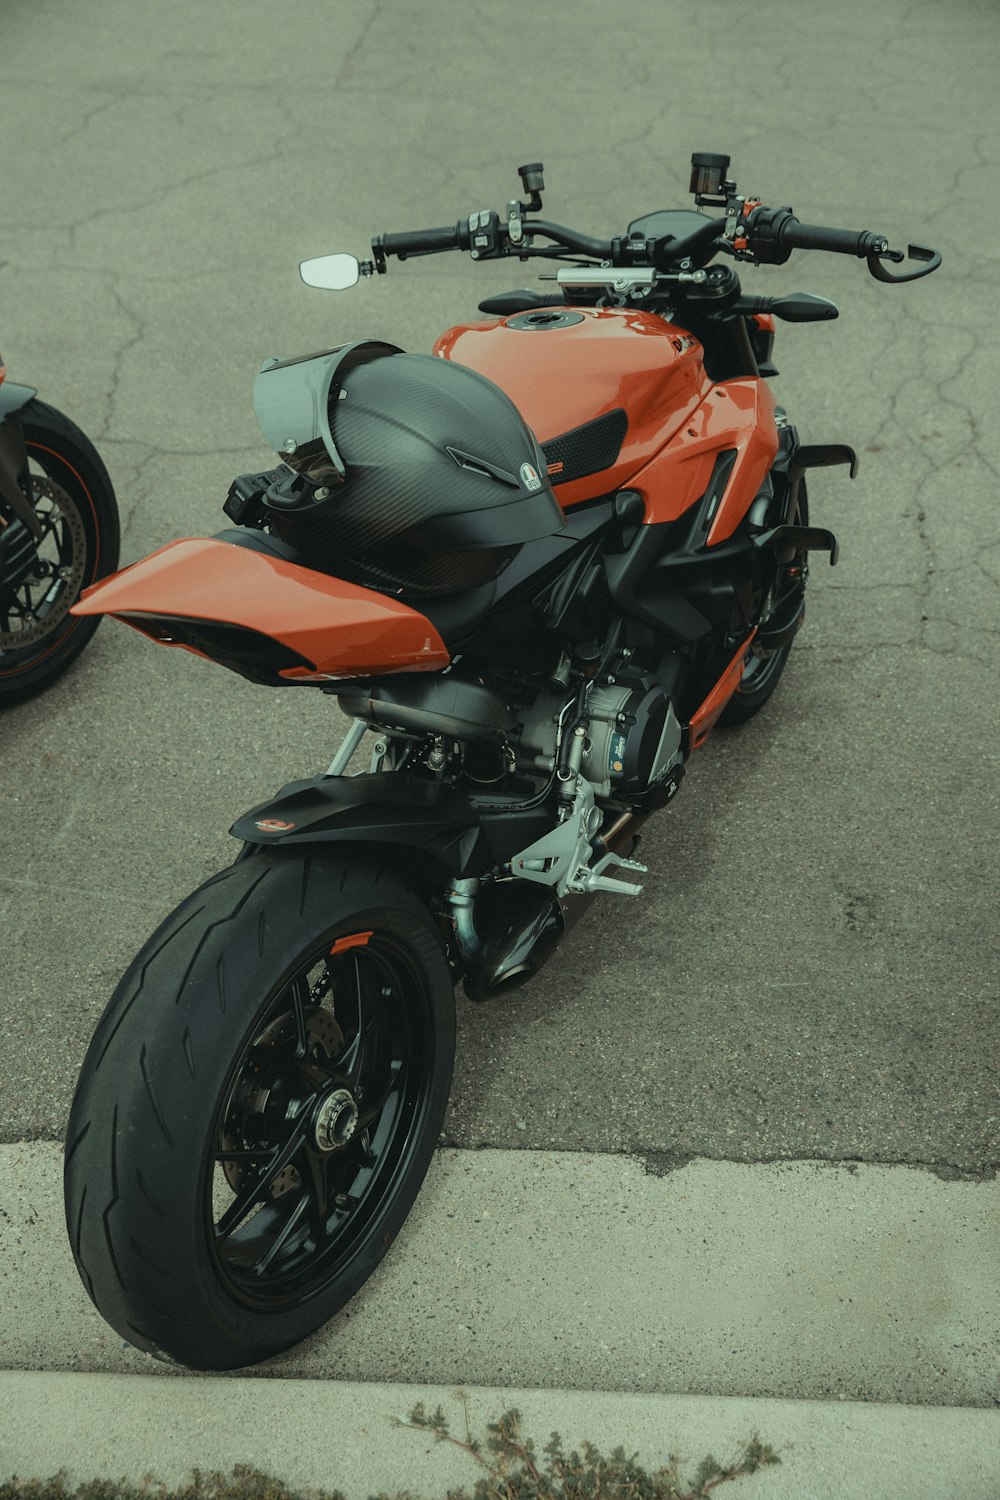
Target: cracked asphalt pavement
(811,971)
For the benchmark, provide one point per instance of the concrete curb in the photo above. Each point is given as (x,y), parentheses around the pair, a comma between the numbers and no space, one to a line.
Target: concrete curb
(331,1434)
(574,1270)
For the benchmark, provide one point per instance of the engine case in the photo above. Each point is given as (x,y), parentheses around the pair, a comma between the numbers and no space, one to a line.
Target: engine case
(634,738)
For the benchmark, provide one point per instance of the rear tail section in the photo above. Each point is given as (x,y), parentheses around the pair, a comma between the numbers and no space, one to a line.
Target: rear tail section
(270,620)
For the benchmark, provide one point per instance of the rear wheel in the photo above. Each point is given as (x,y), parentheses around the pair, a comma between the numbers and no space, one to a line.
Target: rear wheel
(42,577)
(258,1108)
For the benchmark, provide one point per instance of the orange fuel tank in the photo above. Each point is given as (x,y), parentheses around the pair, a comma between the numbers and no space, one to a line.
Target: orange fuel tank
(627,378)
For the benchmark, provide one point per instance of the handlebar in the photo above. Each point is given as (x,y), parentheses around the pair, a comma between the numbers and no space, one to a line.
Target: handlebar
(573,240)
(487,237)
(750,231)
(771,234)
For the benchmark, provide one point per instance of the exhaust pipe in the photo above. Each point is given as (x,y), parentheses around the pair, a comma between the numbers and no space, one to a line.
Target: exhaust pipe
(517,927)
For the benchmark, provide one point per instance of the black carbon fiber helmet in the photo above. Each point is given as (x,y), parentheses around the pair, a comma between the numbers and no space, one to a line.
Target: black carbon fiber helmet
(410,473)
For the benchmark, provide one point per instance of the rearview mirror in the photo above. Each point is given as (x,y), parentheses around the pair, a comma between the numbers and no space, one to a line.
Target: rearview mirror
(333,273)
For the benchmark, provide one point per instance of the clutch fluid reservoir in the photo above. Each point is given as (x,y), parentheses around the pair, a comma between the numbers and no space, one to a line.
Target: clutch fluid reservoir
(633,740)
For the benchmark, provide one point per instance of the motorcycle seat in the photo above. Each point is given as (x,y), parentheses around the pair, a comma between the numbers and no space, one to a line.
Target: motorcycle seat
(457,616)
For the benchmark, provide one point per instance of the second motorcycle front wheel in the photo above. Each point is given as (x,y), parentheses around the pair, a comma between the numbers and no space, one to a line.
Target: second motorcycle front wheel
(259,1106)
(43,576)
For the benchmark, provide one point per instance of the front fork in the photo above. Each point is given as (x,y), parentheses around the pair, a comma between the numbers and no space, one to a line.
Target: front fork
(14,481)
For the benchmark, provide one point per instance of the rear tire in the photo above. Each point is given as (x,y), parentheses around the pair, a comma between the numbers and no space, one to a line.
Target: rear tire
(75,503)
(259,1106)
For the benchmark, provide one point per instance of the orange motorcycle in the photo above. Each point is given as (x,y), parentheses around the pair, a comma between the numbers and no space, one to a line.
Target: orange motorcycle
(536,567)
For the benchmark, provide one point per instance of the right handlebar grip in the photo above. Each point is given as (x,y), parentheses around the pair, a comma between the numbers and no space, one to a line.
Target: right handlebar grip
(792,235)
(426,241)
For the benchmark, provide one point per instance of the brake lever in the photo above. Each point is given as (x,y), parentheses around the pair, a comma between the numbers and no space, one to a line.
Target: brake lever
(915,252)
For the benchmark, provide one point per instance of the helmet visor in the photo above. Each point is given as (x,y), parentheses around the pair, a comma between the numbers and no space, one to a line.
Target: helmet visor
(292,398)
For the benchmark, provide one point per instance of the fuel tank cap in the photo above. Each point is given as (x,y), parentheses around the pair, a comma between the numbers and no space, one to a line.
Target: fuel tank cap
(544,318)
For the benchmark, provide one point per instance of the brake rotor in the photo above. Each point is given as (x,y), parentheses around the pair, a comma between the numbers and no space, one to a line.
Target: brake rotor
(38,563)
(252,1092)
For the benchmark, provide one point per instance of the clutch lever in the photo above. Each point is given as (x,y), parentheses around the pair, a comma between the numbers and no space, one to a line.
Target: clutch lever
(915,252)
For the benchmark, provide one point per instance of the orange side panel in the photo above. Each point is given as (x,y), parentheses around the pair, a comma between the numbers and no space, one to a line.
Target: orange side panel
(735,414)
(342,629)
(705,717)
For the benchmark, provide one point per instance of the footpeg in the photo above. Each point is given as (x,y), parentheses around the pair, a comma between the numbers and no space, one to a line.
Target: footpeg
(592,878)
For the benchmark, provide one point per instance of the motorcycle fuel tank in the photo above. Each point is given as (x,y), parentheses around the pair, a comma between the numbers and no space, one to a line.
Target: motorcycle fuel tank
(602,388)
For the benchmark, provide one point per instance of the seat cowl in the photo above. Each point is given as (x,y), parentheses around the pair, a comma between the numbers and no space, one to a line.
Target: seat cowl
(338,629)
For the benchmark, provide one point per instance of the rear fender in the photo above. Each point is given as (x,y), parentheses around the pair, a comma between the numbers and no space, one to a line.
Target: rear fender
(374,809)
(395,810)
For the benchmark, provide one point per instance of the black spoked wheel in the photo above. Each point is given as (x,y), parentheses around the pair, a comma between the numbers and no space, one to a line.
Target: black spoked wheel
(785,609)
(316,1124)
(258,1108)
(42,576)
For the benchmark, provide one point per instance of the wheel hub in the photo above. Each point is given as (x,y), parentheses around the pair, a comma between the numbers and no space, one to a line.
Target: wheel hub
(261,1096)
(336,1120)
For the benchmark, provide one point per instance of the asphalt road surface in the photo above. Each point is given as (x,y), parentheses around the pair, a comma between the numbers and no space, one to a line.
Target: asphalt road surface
(811,972)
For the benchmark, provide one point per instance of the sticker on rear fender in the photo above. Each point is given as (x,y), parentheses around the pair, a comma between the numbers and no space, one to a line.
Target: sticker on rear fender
(273,825)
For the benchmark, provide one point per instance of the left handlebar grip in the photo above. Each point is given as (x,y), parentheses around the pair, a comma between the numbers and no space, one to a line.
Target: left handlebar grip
(423,241)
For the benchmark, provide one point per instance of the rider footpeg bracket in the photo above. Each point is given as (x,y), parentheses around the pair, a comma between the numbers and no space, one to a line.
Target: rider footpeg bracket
(561,858)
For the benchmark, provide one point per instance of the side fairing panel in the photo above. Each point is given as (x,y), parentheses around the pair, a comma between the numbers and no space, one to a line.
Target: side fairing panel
(737,415)
(336,629)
